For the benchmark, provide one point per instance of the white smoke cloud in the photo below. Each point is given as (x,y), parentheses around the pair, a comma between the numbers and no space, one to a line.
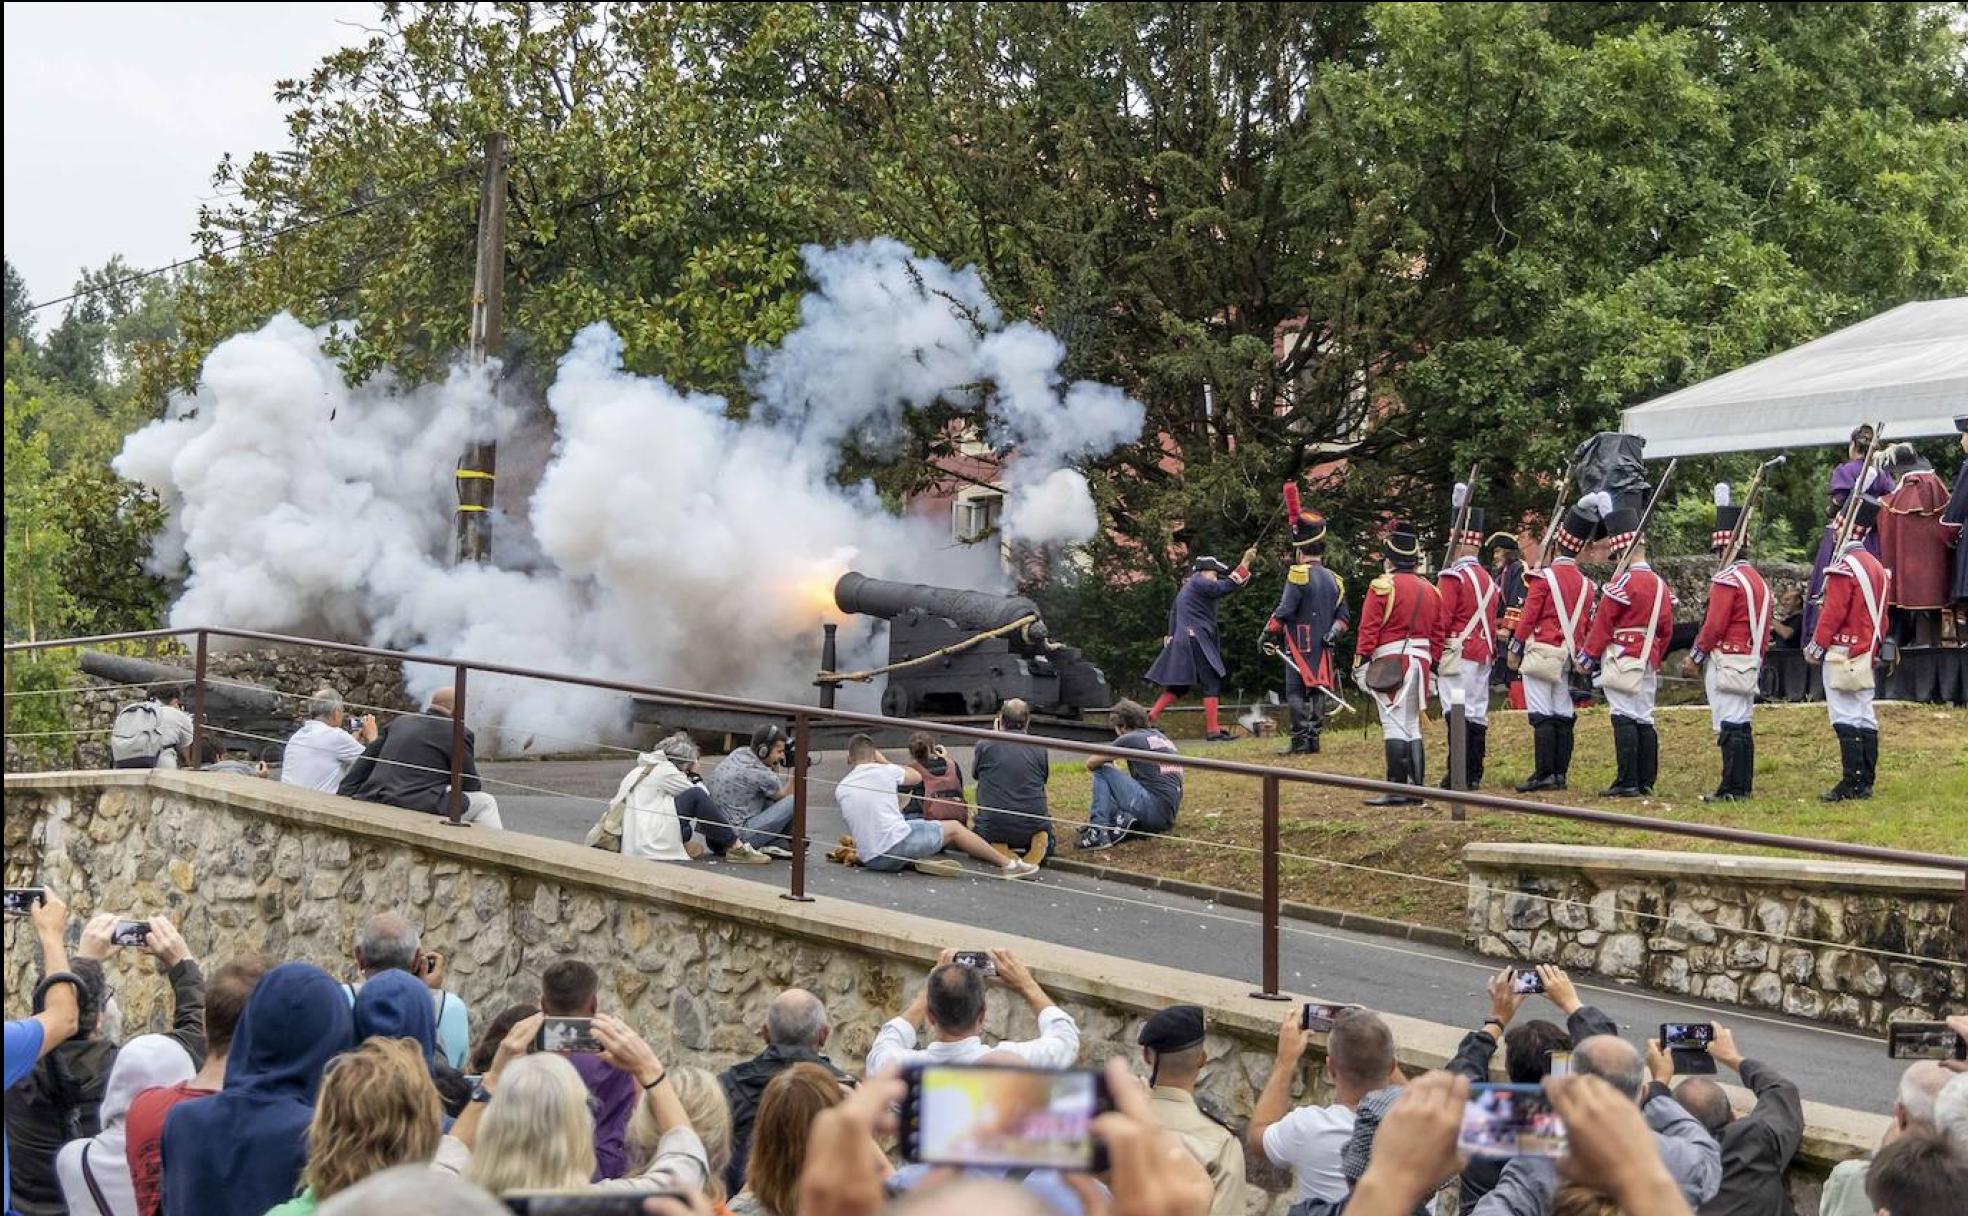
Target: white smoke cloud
(665,541)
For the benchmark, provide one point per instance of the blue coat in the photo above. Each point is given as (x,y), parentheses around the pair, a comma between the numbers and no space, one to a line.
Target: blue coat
(1193,644)
(1313,599)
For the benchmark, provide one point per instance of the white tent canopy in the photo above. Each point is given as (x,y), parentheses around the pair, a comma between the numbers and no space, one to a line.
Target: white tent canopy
(1908,367)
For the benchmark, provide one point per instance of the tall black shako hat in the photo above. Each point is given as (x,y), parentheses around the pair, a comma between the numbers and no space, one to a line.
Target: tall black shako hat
(1401,546)
(1177,1028)
(1472,528)
(1584,521)
(1867,519)
(1728,518)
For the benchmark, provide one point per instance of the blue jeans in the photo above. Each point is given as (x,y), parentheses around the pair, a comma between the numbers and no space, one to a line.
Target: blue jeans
(769,826)
(1115,793)
(925,840)
(699,815)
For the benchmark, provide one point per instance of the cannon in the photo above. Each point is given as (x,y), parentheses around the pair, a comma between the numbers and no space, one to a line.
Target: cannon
(233,708)
(1022,661)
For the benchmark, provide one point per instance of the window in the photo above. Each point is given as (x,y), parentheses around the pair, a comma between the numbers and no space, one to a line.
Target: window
(975,515)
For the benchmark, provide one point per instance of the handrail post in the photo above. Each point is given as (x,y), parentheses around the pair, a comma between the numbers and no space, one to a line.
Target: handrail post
(454,801)
(198,701)
(797,844)
(1458,755)
(1271,848)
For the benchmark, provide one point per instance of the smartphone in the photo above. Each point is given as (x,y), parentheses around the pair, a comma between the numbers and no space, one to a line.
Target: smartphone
(1319,1016)
(21,900)
(1561,1064)
(1003,1117)
(585,1203)
(1527,979)
(130,933)
(572,1035)
(1510,1121)
(976,960)
(1686,1036)
(1918,1041)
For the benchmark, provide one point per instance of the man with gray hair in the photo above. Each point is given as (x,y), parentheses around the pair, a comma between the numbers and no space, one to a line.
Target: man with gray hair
(795,1030)
(413,1188)
(1011,788)
(388,942)
(1913,1113)
(319,754)
(409,766)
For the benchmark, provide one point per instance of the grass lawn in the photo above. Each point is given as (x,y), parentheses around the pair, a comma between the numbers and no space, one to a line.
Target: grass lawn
(1920,802)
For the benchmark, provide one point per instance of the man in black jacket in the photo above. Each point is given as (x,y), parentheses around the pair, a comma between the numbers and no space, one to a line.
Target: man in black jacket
(61,1100)
(1758,1146)
(409,766)
(795,1030)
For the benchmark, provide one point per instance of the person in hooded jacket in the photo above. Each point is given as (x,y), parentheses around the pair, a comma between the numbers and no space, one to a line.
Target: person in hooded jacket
(668,815)
(241,1151)
(94,1172)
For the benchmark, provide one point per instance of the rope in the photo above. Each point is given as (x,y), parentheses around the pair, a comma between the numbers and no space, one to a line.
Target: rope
(862,677)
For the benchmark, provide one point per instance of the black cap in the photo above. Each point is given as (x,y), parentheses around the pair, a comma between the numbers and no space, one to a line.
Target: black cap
(1177,1028)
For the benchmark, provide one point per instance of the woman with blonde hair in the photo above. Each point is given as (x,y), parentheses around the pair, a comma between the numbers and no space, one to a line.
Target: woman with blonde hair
(786,1112)
(377,1108)
(529,1126)
(710,1117)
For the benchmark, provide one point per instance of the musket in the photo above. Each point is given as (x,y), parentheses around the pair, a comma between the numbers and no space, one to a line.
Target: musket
(1459,518)
(1848,514)
(1551,529)
(1640,533)
(1741,537)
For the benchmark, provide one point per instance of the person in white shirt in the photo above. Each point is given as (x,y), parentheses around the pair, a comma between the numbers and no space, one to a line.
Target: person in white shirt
(319,754)
(885,841)
(1309,1140)
(952,1005)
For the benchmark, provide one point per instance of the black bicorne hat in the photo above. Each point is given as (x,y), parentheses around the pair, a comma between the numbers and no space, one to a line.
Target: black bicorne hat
(1401,546)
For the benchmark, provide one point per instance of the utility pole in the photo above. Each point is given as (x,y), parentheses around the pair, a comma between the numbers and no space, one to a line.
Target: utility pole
(478,466)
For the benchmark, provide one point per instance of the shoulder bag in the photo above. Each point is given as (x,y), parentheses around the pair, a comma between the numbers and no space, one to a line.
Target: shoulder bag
(1451,661)
(607,832)
(1542,660)
(1625,673)
(1843,670)
(1740,674)
(1389,672)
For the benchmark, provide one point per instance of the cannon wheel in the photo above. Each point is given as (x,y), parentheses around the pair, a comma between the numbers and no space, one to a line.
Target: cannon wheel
(897,701)
(981,701)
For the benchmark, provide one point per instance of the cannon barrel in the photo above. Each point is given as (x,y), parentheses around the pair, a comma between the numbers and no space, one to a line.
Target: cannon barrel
(220,694)
(974,610)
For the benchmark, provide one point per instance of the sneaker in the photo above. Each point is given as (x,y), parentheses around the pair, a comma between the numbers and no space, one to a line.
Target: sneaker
(1018,869)
(1123,824)
(1093,838)
(777,852)
(937,867)
(745,855)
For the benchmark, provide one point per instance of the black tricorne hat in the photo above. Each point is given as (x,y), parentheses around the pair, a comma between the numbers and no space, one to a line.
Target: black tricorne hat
(1177,1028)
(1206,562)
(1501,540)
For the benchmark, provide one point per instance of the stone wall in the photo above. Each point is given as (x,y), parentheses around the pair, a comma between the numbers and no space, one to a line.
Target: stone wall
(1844,942)
(688,955)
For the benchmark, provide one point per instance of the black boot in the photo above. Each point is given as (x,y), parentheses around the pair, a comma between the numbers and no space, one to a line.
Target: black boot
(1544,744)
(1417,765)
(1561,749)
(1869,742)
(1745,777)
(1851,765)
(1626,759)
(1478,748)
(1648,763)
(1295,708)
(1397,771)
(1315,724)
(1725,785)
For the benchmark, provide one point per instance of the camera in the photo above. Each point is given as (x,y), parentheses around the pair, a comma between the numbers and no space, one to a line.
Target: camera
(1003,1117)
(130,933)
(21,900)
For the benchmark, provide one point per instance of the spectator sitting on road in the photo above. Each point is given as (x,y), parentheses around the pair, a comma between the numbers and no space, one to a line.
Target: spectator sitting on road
(409,766)
(666,814)
(952,1006)
(1311,1140)
(318,755)
(1756,1148)
(242,1150)
(225,999)
(1913,1111)
(388,942)
(571,989)
(1011,788)
(795,1031)
(1919,1174)
(754,797)
(781,1135)
(62,1098)
(213,758)
(56,1018)
(1172,1047)
(95,1172)
(1146,797)
(377,1109)
(530,1126)
(869,799)
(938,789)
(153,733)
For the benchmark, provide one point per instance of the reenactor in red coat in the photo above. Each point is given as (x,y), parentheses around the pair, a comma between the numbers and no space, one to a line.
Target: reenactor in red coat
(1631,628)
(1728,654)
(1846,641)
(1401,631)
(1469,607)
(1549,631)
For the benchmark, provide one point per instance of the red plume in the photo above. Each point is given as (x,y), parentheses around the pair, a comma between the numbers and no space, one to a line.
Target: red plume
(1291,502)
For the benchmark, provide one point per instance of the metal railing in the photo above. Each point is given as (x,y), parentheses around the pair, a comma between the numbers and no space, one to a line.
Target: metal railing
(1271,778)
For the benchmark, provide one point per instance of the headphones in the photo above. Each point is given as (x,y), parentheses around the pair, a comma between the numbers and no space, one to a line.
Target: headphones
(764,737)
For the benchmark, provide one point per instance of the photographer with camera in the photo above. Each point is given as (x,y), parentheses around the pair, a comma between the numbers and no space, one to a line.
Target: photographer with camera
(748,785)
(388,942)
(322,751)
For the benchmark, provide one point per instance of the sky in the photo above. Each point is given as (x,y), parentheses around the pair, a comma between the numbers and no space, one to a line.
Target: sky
(116,115)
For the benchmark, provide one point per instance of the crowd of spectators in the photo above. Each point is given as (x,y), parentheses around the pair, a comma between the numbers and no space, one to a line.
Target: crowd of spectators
(282,1091)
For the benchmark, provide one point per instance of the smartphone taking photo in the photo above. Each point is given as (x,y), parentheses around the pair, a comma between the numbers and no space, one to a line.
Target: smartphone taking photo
(1003,1116)
(1526,980)
(1318,1017)
(21,900)
(130,933)
(585,1203)
(977,960)
(1687,1043)
(1924,1041)
(570,1036)
(1510,1121)
(1561,1064)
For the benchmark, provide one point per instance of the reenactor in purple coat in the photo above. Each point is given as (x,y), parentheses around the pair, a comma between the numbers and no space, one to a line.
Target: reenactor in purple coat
(1192,652)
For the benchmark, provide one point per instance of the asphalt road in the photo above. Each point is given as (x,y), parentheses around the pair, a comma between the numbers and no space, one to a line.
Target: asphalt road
(1421,981)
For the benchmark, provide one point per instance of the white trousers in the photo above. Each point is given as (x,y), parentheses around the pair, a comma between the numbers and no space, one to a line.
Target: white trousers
(1400,717)
(1474,681)
(1725,706)
(1552,698)
(481,810)
(1637,705)
(1850,708)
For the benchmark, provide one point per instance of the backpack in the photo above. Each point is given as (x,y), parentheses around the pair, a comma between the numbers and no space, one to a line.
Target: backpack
(942,796)
(137,733)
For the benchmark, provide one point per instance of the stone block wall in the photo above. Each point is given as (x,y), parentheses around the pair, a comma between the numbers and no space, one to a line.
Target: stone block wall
(1843,942)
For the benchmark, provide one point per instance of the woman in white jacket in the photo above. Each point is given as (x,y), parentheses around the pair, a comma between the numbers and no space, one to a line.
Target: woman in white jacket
(654,827)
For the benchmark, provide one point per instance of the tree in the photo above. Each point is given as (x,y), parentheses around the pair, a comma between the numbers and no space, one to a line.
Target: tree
(20,322)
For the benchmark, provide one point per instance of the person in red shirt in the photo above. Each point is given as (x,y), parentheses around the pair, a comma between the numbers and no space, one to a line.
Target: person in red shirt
(1734,634)
(1633,623)
(1403,621)
(1469,610)
(1554,615)
(1849,626)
